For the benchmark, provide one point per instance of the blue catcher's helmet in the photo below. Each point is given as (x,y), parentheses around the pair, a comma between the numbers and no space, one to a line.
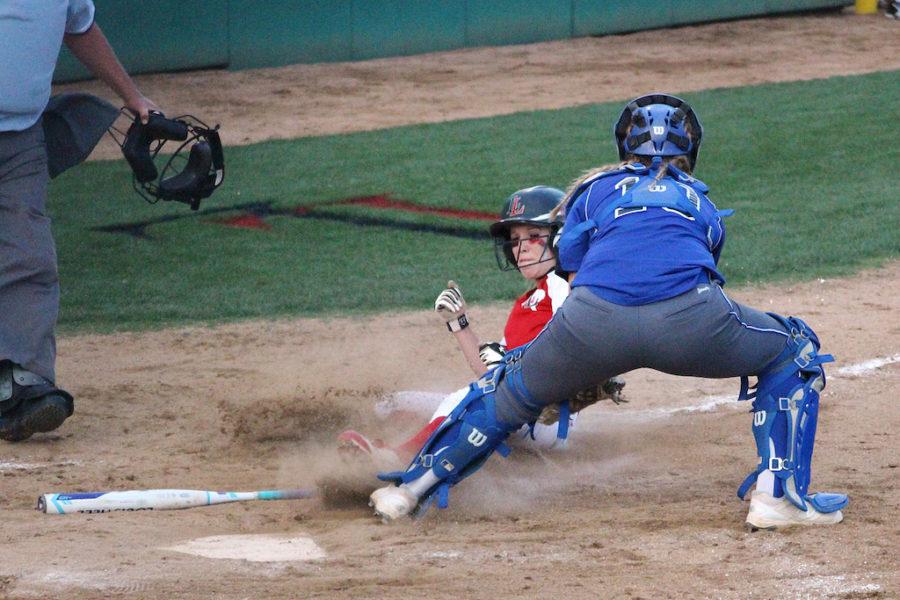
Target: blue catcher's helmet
(655,125)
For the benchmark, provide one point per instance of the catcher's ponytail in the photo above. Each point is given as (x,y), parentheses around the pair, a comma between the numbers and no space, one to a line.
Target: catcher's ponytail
(573,187)
(681,162)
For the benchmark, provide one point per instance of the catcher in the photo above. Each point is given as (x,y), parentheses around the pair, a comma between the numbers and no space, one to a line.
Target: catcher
(645,240)
(524,241)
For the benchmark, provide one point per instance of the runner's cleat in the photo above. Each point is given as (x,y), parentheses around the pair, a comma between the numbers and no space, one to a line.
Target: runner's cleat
(768,512)
(393,502)
(353,443)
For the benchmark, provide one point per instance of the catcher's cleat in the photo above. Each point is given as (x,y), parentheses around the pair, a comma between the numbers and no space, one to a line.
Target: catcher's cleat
(393,502)
(34,416)
(768,512)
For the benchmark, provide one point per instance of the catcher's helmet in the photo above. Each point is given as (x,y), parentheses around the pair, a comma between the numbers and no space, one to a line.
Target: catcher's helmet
(187,180)
(531,206)
(656,125)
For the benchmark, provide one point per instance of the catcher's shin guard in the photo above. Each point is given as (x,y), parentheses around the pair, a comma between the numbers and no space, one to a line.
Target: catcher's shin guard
(457,448)
(785,411)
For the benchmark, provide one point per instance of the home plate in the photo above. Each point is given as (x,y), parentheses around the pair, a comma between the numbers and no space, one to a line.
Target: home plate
(256,548)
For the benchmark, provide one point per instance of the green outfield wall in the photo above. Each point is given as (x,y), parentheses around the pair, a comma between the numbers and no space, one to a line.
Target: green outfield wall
(173,35)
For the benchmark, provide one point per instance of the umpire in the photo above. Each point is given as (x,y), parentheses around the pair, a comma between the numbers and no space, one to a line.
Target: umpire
(31,33)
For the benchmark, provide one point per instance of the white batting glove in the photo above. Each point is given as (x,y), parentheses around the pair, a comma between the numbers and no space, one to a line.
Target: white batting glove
(451,307)
(491,354)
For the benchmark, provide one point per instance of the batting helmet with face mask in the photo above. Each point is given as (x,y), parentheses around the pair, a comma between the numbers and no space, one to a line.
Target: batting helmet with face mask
(530,206)
(658,125)
(173,176)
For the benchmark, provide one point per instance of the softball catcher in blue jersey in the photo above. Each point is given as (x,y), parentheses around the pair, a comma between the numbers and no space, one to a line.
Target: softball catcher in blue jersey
(642,241)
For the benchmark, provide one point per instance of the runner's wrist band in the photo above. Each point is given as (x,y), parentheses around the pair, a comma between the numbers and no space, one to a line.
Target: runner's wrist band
(459,324)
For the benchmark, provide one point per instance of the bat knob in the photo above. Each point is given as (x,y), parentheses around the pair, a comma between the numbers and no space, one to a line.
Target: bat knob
(41,504)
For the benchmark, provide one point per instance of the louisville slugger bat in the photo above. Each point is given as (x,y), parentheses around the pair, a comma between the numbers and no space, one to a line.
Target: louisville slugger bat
(101,502)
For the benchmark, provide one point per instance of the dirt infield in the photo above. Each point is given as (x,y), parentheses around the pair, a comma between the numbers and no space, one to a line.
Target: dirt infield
(641,506)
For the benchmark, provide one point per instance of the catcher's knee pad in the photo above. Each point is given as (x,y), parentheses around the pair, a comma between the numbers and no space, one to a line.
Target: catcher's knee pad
(459,447)
(785,411)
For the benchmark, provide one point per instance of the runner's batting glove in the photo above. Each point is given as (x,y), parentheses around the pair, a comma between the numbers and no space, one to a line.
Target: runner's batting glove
(491,354)
(451,307)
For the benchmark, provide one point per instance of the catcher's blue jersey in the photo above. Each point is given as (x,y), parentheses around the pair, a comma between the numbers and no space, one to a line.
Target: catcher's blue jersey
(635,241)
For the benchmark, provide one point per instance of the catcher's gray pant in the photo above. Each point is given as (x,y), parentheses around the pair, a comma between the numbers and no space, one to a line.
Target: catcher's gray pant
(29,284)
(701,333)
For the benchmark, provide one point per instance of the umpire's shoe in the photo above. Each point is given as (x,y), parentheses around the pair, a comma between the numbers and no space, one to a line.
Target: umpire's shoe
(29,404)
(893,10)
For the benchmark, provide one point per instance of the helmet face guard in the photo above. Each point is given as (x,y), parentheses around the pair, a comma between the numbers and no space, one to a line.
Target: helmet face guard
(506,250)
(530,206)
(174,178)
(657,125)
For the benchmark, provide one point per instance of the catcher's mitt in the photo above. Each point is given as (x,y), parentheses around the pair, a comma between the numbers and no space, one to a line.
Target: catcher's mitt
(611,389)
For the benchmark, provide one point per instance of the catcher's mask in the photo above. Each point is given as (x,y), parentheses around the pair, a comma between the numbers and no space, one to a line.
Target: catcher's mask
(531,206)
(656,125)
(173,176)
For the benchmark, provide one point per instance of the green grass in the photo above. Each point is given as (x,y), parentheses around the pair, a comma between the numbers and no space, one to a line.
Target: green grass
(809,166)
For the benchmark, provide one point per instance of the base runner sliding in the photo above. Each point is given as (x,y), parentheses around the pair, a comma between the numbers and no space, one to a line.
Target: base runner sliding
(523,240)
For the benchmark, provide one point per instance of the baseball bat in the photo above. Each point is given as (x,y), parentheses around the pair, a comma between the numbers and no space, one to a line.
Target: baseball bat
(132,500)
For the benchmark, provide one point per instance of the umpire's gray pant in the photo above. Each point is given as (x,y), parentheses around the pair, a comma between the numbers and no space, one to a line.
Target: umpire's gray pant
(701,333)
(29,283)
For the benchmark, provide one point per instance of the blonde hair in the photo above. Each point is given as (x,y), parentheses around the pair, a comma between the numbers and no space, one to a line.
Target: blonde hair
(573,187)
(681,162)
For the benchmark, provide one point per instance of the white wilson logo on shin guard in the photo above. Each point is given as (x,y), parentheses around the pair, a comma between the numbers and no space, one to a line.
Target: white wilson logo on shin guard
(476,438)
(759,418)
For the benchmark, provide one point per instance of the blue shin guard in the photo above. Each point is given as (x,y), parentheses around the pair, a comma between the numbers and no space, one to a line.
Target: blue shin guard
(785,412)
(459,446)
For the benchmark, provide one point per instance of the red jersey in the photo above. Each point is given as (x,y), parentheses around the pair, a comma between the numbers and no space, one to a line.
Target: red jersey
(534,309)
